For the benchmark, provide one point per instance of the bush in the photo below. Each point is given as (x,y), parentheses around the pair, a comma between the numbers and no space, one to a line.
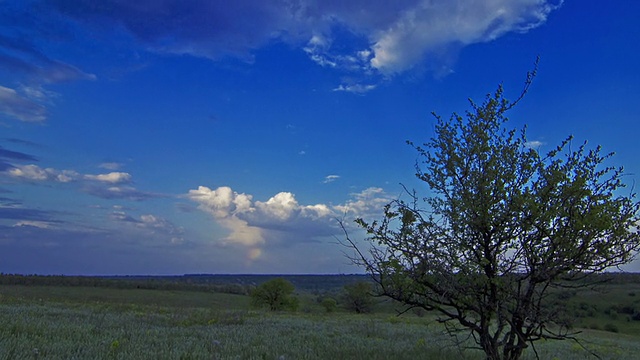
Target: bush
(329,304)
(276,295)
(358,298)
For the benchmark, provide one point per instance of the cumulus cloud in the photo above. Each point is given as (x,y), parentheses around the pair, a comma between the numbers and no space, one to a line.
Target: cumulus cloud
(281,218)
(226,206)
(387,37)
(36,173)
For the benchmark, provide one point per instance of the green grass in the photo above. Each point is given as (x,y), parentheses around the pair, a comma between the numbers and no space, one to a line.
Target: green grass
(610,307)
(46,322)
(97,295)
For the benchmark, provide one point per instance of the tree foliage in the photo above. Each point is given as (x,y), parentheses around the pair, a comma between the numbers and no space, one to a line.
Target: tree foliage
(275,294)
(502,225)
(358,297)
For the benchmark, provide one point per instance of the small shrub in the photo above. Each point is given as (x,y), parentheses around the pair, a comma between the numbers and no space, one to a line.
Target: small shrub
(329,304)
(358,298)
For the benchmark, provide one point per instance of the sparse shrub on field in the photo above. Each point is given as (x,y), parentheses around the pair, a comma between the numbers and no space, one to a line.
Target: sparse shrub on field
(276,294)
(329,304)
(358,297)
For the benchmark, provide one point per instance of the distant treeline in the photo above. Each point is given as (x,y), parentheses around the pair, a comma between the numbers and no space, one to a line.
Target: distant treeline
(232,284)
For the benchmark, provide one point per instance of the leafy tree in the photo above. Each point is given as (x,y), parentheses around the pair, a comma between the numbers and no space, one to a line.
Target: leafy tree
(276,294)
(501,226)
(358,297)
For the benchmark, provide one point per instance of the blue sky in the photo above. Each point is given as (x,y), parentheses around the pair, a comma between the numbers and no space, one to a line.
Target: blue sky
(171,137)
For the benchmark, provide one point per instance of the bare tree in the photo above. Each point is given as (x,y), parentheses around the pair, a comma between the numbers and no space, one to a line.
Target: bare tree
(500,227)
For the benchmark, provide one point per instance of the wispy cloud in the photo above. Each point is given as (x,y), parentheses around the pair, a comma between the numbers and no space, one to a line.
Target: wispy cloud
(382,36)
(113,185)
(22,31)
(7,157)
(110,165)
(331,178)
(355,88)
(533,144)
(152,225)
(20,213)
(19,107)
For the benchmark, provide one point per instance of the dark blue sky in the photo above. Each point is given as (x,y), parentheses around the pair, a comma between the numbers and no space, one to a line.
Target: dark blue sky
(174,137)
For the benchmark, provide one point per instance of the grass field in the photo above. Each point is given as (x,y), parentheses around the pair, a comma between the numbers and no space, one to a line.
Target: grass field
(51,322)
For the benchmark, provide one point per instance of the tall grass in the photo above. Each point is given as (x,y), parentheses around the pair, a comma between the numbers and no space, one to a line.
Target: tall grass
(62,331)
(92,323)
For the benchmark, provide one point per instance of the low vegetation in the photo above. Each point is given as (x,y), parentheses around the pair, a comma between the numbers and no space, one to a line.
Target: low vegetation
(82,322)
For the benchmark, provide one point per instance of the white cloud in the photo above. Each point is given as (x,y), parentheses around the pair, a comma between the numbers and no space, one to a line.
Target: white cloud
(106,186)
(112,177)
(281,207)
(365,203)
(432,26)
(224,205)
(36,173)
(357,35)
(355,88)
(37,224)
(331,178)
(152,226)
(317,48)
(533,144)
(256,224)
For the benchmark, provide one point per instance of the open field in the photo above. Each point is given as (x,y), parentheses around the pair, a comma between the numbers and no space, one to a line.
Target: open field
(63,322)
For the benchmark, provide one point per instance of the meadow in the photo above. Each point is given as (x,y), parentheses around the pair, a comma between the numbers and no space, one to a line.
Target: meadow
(125,322)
